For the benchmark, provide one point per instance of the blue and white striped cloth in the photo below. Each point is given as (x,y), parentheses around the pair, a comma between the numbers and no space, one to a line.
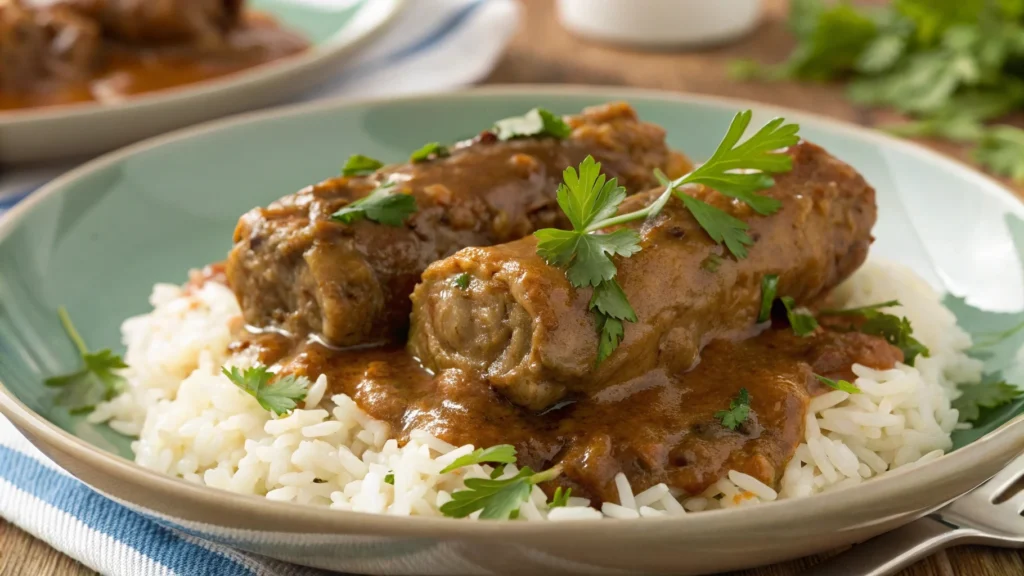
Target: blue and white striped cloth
(433,45)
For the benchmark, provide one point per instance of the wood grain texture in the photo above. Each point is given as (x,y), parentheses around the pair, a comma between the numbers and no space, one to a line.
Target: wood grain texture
(543,53)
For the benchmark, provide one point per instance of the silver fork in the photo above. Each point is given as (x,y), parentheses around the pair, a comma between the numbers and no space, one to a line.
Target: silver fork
(974,518)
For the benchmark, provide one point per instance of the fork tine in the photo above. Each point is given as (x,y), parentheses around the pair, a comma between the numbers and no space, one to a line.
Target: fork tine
(1004,479)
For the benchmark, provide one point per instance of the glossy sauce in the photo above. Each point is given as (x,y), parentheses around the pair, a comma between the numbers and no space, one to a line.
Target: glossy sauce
(127,70)
(659,427)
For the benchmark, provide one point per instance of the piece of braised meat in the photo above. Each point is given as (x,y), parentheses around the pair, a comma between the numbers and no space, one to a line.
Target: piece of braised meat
(44,46)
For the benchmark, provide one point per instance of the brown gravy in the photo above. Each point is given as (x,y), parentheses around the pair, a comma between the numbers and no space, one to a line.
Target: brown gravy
(128,70)
(659,427)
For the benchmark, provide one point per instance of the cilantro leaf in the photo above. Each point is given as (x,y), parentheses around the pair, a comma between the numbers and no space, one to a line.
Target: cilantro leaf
(280,397)
(497,499)
(462,281)
(430,151)
(560,498)
(986,394)
(838,384)
(97,381)
(769,286)
(536,122)
(1001,150)
(720,225)
(802,322)
(389,478)
(382,205)
(502,453)
(359,165)
(739,410)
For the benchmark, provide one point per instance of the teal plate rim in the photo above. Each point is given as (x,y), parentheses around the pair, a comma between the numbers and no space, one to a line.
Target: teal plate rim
(762,517)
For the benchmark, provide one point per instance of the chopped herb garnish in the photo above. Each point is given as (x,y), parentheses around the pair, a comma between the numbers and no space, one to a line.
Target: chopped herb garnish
(382,205)
(560,498)
(802,321)
(498,471)
(497,499)
(992,392)
(739,410)
(359,165)
(769,286)
(389,478)
(838,384)
(896,331)
(429,151)
(502,453)
(536,122)
(280,397)
(711,263)
(462,281)
(95,382)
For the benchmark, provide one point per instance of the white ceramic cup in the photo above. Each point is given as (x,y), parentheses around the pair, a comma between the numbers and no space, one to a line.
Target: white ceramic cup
(660,23)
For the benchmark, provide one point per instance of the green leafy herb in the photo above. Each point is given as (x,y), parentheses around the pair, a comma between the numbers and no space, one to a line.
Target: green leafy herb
(560,498)
(896,331)
(838,384)
(802,322)
(359,165)
(382,205)
(280,397)
(497,499)
(502,453)
(536,122)
(389,478)
(711,263)
(769,286)
(430,151)
(97,381)
(720,225)
(739,410)
(498,471)
(991,393)
(462,281)
(1001,150)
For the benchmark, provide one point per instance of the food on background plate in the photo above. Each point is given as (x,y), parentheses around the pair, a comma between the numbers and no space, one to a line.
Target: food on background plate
(637,351)
(66,51)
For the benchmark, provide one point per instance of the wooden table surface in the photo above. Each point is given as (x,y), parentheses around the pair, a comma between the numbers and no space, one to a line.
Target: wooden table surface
(542,52)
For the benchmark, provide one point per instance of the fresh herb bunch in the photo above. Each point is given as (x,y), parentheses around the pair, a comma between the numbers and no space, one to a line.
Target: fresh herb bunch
(952,65)
(96,381)
(590,201)
(279,397)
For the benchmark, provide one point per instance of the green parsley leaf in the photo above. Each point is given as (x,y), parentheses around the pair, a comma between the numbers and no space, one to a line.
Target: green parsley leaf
(382,205)
(739,410)
(720,225)
(803,323)
(838,384)
(280,397)
(498,471)
(560,498)
(769,287)
(711,263)
(498,499)
(97,381)
(610,334)
(536,122)
(587,196)
(861,310)
(610,300)
(831,40)
(502,453)
(389,478)
(1001,150)
(462,281)
(898,332)
(986,394)
(430,151)
(359,165)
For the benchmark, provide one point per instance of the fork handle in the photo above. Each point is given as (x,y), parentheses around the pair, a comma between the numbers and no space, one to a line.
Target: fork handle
(886,554)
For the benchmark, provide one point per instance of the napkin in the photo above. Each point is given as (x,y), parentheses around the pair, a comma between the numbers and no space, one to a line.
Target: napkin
(433,45)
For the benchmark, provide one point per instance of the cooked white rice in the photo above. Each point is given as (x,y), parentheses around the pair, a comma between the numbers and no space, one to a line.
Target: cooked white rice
(193,423)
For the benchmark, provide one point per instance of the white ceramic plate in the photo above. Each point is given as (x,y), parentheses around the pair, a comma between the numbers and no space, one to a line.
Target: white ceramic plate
(335,29)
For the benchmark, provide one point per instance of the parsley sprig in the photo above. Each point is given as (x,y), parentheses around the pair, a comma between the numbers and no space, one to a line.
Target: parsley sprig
(502,453)
(280,397)
(536,122)
(738,412)
(590,201)
(895,329)
(498,498)
(97,381)
(383,205)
